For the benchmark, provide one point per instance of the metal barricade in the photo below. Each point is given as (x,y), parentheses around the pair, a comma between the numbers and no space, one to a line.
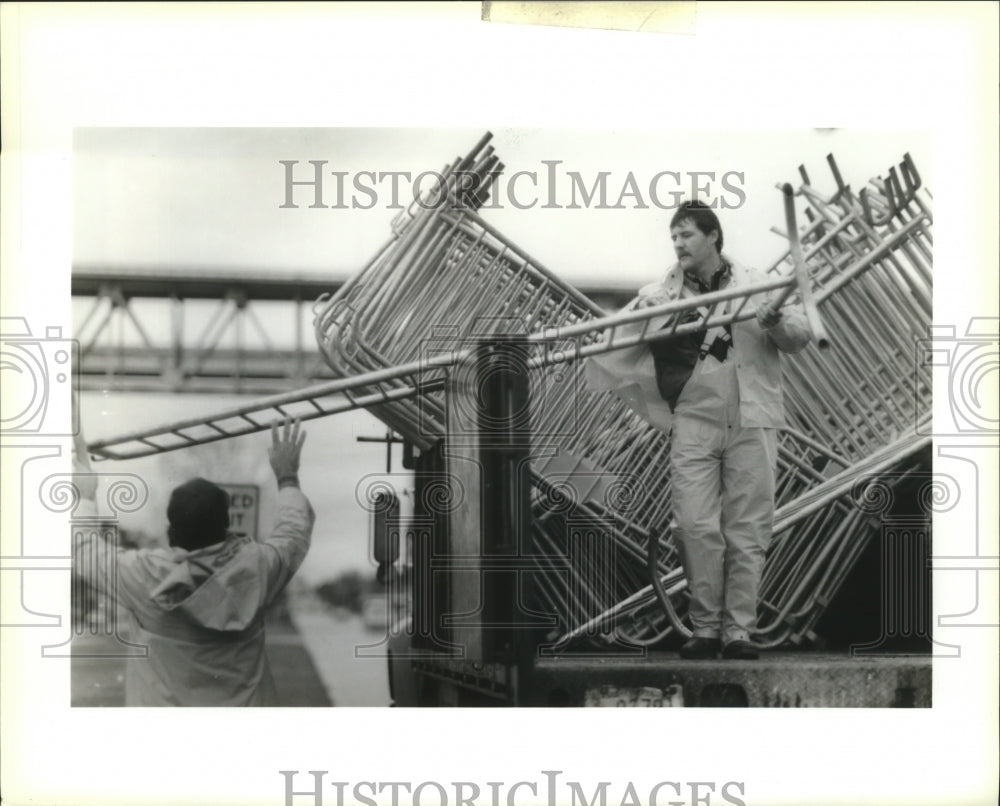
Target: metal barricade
(448,279)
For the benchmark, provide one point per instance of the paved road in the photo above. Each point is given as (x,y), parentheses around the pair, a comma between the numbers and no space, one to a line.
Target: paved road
(347,657)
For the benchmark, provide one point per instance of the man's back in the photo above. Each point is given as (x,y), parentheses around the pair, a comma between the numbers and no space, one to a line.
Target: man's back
(201,613)
(200,610)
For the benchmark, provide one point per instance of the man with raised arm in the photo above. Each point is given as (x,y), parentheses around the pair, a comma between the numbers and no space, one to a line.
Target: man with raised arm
(199,604)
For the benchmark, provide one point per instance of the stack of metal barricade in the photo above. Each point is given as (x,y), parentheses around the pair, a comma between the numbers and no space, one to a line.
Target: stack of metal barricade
(864,404)
(600,474)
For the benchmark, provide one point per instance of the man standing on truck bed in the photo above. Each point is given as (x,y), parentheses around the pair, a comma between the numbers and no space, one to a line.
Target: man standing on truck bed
(723,394)
(199,604)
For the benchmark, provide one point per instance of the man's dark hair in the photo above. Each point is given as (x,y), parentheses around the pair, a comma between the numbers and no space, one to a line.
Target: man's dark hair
(703,216)
(198,513)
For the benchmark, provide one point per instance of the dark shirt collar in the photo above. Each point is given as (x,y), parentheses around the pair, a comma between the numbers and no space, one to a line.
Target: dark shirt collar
(722,274)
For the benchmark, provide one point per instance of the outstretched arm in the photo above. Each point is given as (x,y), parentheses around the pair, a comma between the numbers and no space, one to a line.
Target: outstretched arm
(94,558)
(84,480)
(292,533)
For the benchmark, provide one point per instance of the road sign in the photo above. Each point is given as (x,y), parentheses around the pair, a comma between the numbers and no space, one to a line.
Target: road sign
(244,502)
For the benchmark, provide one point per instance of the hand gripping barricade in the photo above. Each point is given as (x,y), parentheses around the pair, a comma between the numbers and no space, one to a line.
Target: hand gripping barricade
(855,398)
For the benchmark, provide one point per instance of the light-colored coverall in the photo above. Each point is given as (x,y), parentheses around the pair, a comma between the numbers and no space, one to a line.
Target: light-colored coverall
(723,452)
(201,613)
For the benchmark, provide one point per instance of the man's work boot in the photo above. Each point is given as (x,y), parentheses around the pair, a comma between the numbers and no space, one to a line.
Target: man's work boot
(700,648)
(740,650)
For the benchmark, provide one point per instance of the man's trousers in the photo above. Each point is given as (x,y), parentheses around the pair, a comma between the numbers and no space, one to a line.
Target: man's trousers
(723,503)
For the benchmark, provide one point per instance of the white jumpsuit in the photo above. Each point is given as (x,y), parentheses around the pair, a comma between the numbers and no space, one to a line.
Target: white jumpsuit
(723,501)
(723,453)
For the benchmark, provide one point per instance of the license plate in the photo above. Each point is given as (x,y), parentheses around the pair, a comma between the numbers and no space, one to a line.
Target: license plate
(635,697)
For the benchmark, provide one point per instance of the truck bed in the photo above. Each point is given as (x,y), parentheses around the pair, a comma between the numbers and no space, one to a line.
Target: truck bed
(779,679)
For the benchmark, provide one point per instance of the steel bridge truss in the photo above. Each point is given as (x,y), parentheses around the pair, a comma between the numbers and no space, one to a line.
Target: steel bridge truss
(142,331)
(206,332)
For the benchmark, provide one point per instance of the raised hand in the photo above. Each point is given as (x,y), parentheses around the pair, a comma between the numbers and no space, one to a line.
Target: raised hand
(285,450)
